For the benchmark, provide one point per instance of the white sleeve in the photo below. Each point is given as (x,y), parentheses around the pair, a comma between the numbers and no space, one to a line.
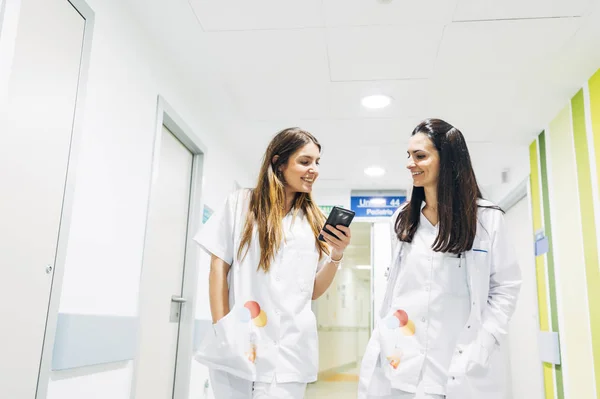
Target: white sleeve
(216,236)
(505,282)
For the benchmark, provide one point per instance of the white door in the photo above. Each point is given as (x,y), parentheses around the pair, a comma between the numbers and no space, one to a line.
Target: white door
(525,365)
(36,122)
(163,270)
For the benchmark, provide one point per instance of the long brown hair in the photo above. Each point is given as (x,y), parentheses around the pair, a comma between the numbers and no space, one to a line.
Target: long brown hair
(267,201)
(457,192)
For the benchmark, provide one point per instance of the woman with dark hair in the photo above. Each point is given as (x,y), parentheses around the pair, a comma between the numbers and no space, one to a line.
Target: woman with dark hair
(267,264)
(452,284)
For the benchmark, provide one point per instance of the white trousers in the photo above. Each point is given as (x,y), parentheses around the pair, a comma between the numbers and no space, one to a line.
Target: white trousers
(227,386)
(380,389)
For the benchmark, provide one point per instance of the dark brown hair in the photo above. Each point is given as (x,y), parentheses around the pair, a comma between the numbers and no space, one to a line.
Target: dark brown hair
(457,192)
(267,201)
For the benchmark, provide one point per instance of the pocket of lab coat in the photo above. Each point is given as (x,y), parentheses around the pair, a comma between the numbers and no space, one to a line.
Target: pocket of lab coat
(481,351)
(229,346)
(481,252)
(455,273)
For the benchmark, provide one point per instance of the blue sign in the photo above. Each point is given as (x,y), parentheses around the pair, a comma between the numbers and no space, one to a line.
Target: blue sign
(541,246)
(206,214)
(376,206)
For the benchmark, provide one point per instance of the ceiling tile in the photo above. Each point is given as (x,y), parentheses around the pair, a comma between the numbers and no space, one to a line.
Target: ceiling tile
(469,10)
(409,98)
(383,52)
(258,14)
(396,12)
(501,48)
(269,75)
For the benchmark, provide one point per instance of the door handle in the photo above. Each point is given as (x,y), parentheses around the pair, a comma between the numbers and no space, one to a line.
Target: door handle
(178,299)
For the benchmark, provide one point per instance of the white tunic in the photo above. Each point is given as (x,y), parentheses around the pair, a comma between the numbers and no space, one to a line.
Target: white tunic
(477,367)
(430,306)
(270,331)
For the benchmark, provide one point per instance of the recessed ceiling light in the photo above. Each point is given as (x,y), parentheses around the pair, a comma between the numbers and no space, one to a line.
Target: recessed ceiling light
(376,101)
(374,171)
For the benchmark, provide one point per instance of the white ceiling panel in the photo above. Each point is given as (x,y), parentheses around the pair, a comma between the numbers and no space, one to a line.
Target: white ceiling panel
(383,52)
(331,133)
(473,10)
(502,48)
(277,55)
(258,14)
(259,99)
(382,132)
(283,74)
(409,98)
(397,12)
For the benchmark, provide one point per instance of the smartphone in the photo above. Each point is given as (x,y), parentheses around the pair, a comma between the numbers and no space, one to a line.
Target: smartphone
(338,216)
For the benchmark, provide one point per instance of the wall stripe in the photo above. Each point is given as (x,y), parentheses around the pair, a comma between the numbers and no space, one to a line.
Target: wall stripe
(594,90)
(536,207)
(587,222)
(568,256)
(551,274)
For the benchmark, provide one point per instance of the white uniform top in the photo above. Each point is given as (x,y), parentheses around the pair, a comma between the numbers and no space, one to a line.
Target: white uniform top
(477,366)
(270,331)
(430,306)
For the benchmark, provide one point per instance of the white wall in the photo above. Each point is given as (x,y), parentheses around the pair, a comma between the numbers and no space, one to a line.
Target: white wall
(127,73)
(517,162)
(330,196)
(525,365)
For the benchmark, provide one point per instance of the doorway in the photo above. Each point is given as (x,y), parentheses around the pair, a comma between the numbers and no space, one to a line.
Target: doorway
(167,296)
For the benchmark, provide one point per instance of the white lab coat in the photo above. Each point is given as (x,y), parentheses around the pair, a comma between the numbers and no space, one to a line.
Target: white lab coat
(477,368)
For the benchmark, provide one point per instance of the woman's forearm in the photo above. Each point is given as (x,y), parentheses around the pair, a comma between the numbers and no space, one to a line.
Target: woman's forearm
(218,289)
(325,276)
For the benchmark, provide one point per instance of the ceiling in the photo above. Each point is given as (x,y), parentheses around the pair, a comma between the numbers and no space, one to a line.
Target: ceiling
(499,71)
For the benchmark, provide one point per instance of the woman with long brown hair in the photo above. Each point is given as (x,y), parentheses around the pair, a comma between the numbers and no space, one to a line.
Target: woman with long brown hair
(452,284)
(267,263)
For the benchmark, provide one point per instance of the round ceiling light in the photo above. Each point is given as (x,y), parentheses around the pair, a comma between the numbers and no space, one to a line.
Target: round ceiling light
(374,171)
(376,101)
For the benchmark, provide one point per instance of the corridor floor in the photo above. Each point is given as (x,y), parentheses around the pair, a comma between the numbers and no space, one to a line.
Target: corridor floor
(331,390)
(342,385)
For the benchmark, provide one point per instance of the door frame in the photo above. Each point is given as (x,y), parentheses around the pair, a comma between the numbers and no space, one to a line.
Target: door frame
(166,115)
(88,15)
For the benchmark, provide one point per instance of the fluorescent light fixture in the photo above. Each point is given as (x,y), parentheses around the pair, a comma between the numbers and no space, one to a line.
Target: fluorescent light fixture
(363,267)
(376,101)
(374,171)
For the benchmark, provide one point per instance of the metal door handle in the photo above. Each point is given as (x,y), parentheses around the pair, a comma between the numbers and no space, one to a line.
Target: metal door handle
(178,299)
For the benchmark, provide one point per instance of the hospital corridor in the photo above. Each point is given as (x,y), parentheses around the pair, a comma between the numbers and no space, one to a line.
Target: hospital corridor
(285,199)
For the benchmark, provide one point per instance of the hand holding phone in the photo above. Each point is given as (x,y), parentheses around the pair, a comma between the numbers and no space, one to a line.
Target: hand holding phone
(338,216)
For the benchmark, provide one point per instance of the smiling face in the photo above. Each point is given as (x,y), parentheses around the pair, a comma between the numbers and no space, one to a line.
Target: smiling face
(302,169)
(423,161)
